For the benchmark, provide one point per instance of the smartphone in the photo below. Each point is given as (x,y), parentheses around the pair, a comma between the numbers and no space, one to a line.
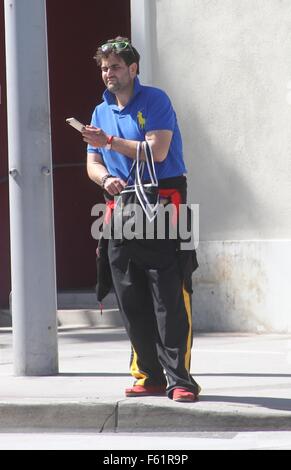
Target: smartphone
(76,124)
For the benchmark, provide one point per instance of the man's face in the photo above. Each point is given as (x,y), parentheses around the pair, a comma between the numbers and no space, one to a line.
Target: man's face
(117,76)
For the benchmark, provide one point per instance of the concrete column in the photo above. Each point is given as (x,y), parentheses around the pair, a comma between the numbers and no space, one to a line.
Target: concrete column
(31,197)
(141,35)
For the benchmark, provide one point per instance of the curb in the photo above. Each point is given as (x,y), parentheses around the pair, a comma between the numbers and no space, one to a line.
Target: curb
(138,415)
(192,417)
(78,309)
(81,415)
(77,318)
(5,319)
(92,318)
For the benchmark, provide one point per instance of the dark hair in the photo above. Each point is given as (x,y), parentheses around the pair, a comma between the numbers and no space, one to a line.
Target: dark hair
(128,54)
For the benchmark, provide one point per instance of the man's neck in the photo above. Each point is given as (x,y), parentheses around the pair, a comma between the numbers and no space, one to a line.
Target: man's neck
(122,99)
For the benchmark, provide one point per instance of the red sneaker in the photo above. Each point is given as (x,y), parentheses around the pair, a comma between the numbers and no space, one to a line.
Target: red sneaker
(145,391)
(184,395)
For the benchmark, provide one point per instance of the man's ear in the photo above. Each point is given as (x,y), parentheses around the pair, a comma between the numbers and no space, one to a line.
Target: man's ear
(133,70)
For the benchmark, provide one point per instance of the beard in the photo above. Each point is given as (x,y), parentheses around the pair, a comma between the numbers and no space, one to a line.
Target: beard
(114,86)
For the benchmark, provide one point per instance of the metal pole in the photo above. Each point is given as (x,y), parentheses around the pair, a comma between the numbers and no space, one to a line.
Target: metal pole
(34,303)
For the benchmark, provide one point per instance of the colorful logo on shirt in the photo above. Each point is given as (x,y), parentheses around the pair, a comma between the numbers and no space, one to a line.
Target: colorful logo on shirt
(141,120)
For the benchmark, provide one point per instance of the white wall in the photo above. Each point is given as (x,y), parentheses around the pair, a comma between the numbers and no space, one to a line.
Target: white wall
(226,65)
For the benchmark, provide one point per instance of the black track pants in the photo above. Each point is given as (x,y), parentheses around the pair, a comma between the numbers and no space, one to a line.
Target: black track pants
(156,311)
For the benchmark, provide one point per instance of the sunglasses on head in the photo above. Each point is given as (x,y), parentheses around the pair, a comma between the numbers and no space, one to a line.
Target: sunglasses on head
(118,46)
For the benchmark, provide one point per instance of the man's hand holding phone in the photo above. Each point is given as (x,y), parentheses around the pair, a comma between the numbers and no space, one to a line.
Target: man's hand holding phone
(95,137)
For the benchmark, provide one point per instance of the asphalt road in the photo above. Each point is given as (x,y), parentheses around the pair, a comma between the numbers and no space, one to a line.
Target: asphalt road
(147,441)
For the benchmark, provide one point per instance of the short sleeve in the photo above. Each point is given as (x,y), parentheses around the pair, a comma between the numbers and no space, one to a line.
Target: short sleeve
(160,113)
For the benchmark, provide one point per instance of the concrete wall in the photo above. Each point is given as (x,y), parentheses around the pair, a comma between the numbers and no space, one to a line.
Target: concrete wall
(226,65)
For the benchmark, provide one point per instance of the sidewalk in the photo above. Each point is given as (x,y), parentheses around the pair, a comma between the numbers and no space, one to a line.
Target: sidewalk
(245,380)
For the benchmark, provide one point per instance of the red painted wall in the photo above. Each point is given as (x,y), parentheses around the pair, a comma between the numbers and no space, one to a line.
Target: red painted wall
(75,29)
(4,196)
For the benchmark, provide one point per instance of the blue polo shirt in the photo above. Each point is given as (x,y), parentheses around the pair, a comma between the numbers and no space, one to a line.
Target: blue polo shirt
(149,109)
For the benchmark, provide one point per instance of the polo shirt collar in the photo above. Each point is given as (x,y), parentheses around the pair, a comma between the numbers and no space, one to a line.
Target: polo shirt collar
(109,97)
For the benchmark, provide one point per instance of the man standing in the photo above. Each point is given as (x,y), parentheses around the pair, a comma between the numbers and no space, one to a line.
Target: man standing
(152,297)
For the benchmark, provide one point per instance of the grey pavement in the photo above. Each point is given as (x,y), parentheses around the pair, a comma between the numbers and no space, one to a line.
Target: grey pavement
(245,381)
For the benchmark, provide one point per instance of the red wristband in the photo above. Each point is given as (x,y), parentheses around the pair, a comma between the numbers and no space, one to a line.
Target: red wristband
(109,142)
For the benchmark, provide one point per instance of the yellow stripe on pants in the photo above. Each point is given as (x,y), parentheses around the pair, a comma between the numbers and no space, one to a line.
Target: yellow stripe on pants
(136,372)
(187,302)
